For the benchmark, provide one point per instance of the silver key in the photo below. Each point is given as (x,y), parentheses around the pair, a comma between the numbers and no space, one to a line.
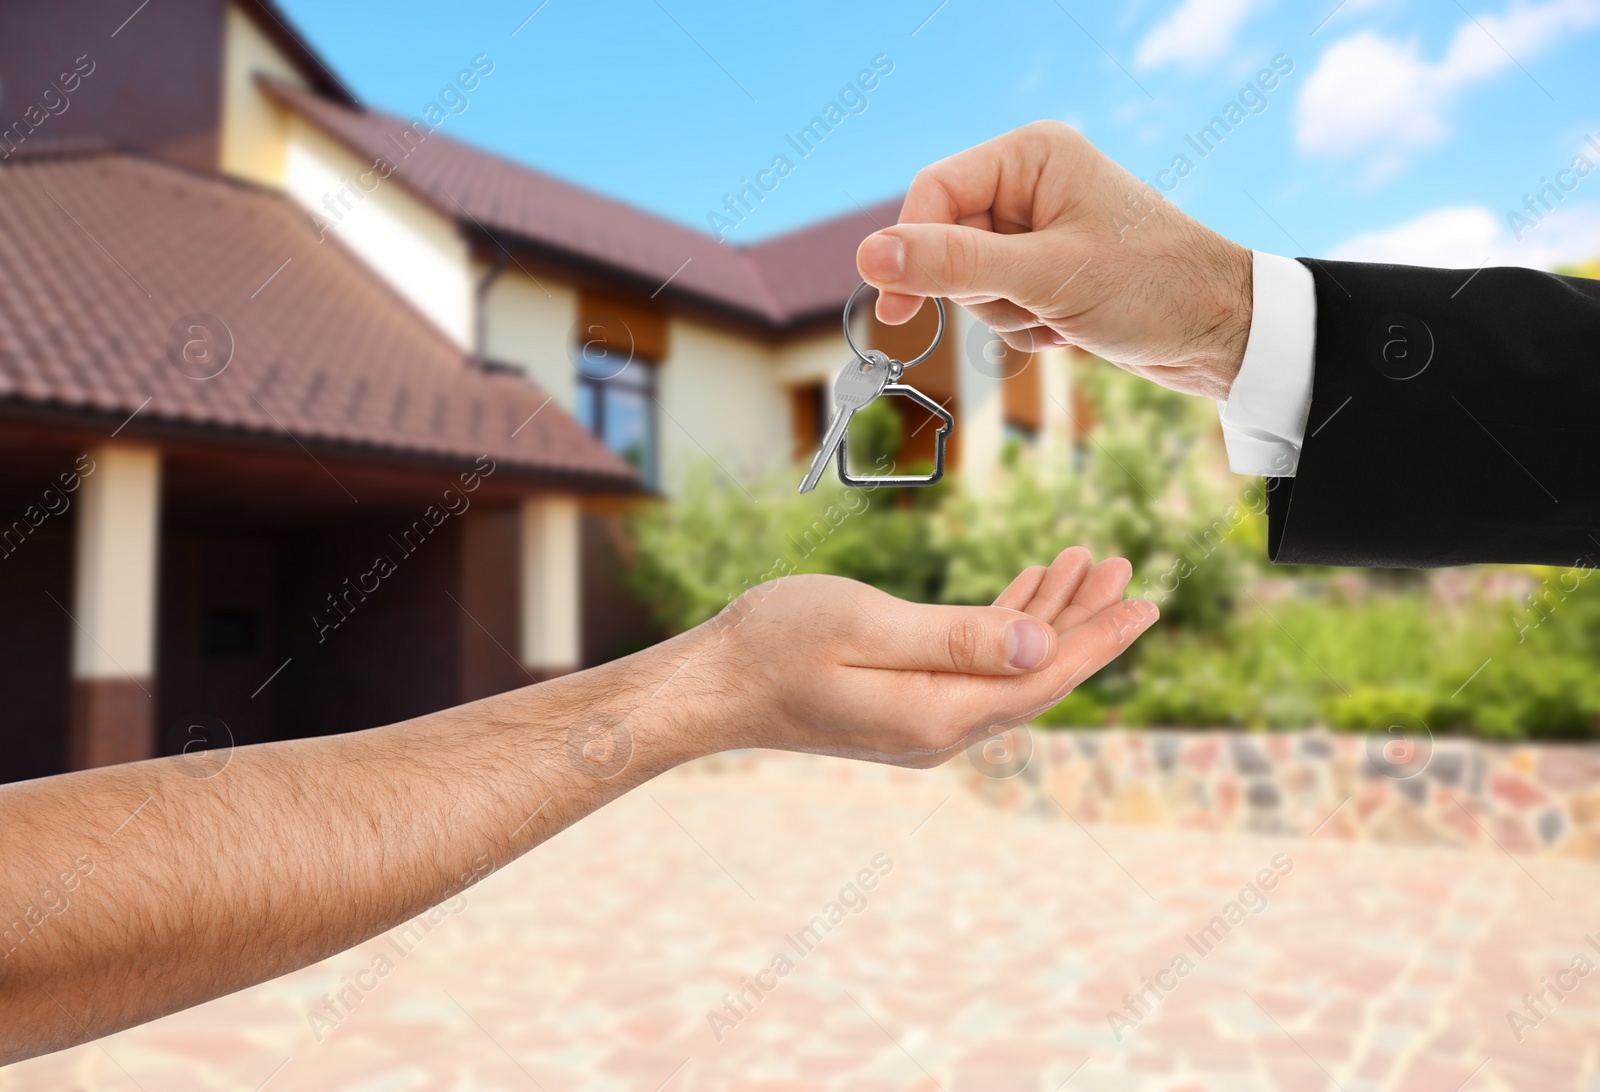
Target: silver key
(862,380)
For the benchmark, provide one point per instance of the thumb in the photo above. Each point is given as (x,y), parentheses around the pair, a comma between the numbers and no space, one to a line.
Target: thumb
(948,260)
(967,640)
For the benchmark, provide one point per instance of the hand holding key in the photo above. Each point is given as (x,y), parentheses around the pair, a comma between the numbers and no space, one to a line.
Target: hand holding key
(1048,242)
(869,375)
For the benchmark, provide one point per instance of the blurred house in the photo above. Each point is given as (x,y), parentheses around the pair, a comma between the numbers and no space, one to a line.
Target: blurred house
(315,418)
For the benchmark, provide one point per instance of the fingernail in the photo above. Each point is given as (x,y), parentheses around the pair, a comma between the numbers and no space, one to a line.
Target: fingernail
(883,258)
(1027,644)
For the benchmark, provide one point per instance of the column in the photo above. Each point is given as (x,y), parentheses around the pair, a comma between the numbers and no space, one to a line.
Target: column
(551,586)
(978,411)
(112,715)
(1056,437)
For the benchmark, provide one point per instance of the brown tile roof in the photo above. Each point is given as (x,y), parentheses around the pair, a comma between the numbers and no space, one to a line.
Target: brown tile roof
(778,282)
(102,255)
(813,271)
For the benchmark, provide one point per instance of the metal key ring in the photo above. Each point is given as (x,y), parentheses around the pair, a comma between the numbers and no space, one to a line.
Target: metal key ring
(938,335)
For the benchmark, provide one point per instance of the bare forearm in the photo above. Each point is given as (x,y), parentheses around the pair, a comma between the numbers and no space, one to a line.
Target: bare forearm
(138,890)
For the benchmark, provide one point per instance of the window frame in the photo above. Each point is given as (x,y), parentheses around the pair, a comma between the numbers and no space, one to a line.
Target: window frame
(644,383)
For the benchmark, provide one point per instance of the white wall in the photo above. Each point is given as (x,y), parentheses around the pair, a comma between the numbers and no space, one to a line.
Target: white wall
(980,417)
(254,128)
(400,238)
(818,358)
(720,396)
(530,324)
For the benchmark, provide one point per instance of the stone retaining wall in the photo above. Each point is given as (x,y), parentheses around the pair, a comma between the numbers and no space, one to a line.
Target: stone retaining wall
(1518,798)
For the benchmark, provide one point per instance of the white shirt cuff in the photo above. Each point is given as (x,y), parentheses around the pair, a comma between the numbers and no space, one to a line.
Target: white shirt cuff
(1264,418)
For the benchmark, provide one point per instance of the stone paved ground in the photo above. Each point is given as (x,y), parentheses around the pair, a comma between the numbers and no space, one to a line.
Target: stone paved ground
(985,959)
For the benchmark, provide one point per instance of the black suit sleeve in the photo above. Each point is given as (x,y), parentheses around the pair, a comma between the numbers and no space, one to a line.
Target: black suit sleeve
(1455,419)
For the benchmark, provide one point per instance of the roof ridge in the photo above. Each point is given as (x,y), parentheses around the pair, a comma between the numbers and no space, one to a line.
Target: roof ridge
(61,148)
(821,225)
(91,148)
(278,85)
(311,64)
(747,263)
(775,309)
(283,88)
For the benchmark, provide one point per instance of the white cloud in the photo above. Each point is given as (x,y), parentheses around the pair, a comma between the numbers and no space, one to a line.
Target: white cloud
(1196,31)
(1465,236)
(1372,95)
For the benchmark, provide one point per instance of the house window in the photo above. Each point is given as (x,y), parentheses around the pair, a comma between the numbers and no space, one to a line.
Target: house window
(616,402)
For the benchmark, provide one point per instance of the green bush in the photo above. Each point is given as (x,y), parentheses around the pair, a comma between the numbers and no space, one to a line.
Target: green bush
(1142,491)
(717,538)
(1377,708)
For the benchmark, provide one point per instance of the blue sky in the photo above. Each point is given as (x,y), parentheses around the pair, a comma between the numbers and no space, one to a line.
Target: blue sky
(1407,130)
